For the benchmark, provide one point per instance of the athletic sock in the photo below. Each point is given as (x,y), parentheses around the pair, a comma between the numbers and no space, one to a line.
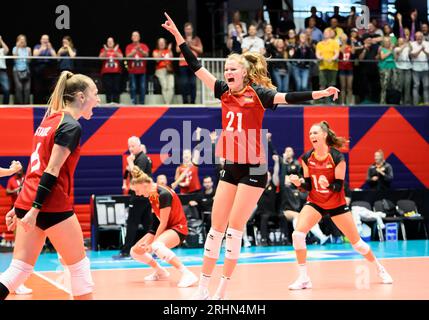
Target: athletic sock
(220,292)
(302,271)
(204,281)
(182,268)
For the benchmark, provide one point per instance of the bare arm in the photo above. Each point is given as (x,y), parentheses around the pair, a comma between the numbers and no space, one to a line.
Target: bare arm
(276,171)
(340,170)
(281,98)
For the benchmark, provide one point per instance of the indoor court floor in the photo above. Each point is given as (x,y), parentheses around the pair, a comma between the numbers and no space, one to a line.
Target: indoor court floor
(263,273)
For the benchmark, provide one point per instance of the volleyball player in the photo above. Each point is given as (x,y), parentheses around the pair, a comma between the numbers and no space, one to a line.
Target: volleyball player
(324,172)
(44,206)
(169,229)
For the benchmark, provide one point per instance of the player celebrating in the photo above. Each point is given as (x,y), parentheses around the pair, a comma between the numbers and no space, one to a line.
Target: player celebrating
(244,96)
(324,172)
(169,229)
(44,206)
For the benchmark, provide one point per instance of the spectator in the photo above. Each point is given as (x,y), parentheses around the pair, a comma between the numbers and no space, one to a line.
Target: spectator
(259,23)
(252,43)
(387,68)
(187,173)
(187,76)
(380,173)
(279,69)
(404,69)
(405,32)
(341,21)
(269,39)
(388,32)
(328,51)
(14,185)
(301,69)
(67,50)
(368,71)
(319,23)
(164,69)
(139,208)
(111,70)
(419,57)
(21,71)
(345,69)
(375,34)
(374,25)
(204,201)
(291,40)
(425,30)
(235,39)
(316,33)
(333,24)
(236,19)
(43,70)
(137,68)
(285,24)
(351,19)
(4,79)
(162,180)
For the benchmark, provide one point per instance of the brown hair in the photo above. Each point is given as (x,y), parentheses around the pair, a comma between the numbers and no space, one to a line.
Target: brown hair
(138,176)
(256,66)
(332,140)
(69,39)
(67,86)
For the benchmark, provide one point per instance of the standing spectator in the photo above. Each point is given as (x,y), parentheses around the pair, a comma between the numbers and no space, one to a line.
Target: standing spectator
(252,43)
(67,50)
(187,173)
(340,19)
(388,32)
(404,69)
(285,24)
(269,39)
(345,67)
(425,30)
(419,57)
(14,185)
(328,51)
(260,23)
(316,33)
(291,40)
(333,24)
(43,69)
(301,69)
(236,19)
(111,70)
(319,23)
(4,79)
(279,69)
(21,70)
(164,69)
(368,71)
(137,68)
(376,34)
(374,24)
(139,208)
(380,173)
(187,77)
(235,39)
(351,19)
(405,32)
(387,68)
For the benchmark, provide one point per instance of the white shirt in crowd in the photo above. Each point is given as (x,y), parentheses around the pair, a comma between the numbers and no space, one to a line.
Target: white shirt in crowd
(253,44)
(2,60)
(403,62)
(420,63)
(231,27)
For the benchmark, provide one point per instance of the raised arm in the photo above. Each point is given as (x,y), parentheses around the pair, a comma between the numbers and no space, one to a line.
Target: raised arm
(300,97)
(15,166)
(202,73)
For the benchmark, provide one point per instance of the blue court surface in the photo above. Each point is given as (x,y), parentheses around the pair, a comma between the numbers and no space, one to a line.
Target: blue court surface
(102,260)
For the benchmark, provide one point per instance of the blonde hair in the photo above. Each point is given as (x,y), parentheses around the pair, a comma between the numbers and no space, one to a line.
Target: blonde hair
(332,140)
(256,66)
(67,86)
(138,176)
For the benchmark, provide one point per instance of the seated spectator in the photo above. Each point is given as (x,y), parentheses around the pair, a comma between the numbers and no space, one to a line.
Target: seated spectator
(318,22)
(333,24)
(419,57)
(235,39)
(43,70)
(345,69)
(285,24)
(316,33)
(404,69)
(137,68)
(252,43)
(204,201)
(161,180)
(21,70)
(279,69)
(4,79)
(236,19)
(301,69)
(164,69)
(387,68)
(368,71)
(327,52)
(380,173)
(67,50)
(111,70)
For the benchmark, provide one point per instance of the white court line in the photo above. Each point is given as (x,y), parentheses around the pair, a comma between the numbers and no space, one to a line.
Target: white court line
(54,283)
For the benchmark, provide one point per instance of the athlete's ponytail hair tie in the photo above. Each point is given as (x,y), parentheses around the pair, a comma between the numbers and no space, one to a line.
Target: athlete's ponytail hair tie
(332,140)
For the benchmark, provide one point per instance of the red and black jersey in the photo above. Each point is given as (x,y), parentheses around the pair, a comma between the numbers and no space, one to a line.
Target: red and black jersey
(242,116)
(165,197)
(61,129)
(191,183)
(320,169)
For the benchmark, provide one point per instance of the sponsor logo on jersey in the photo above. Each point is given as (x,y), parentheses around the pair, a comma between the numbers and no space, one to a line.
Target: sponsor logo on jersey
(42,132)
(248,99)
(312,163)
(329,166)
(253,180)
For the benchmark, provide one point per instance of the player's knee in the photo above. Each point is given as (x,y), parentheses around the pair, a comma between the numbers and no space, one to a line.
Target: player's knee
(138,254)
(81,278)
(162,251)
(298,240)
(213,244)
(17,273)
(233,243)
(362,247)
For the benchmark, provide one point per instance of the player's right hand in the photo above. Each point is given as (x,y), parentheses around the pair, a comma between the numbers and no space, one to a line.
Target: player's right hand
(293,178)
(11,220)
(170,26)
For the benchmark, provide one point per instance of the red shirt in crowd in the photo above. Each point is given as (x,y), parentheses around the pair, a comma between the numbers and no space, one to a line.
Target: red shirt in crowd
(165,53)
(137,66)
(191,183)
(344,62)
(196,42)
(14,183)
(111,65)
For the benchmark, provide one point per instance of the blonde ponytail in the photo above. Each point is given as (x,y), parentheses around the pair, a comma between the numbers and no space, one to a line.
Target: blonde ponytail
(332,140)
(138,176)
(68,84)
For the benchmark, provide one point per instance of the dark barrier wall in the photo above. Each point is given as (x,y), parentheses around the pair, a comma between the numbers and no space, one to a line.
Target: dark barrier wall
(403,134)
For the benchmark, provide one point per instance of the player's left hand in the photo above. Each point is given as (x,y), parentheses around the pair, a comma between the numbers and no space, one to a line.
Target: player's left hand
(29,220)
(170,26)
(11,220)
(331,91)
